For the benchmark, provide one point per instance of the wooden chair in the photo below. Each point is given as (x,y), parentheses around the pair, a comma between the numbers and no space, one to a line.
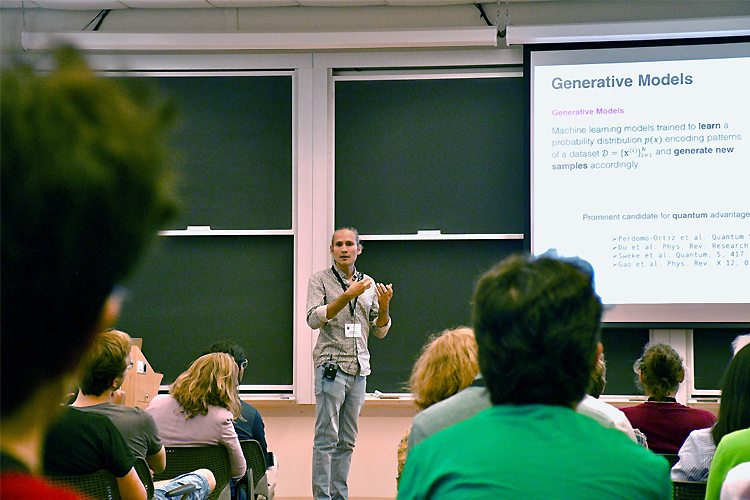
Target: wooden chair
(257,479)
(183,459)
(689,490)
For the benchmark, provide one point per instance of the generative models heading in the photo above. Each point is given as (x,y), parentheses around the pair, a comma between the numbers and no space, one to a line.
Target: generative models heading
(647,80)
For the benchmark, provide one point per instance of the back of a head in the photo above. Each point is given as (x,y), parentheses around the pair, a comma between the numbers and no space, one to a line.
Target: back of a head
(660,370)
(734,409)
(84,188)
(228,347)
(210,381)
(598,380)
(448,364)
(739,342)
(104,362)
(537,324)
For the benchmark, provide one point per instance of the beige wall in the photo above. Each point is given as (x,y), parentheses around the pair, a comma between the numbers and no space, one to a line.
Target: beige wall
(289,432)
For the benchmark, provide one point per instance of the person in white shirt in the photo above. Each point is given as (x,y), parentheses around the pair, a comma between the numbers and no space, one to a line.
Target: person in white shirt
(697,453)
(602,412)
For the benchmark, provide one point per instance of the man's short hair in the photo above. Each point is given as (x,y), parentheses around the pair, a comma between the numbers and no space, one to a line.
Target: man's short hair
(348,228)
(537,324)
(228,347)
(85,187)
(104,362)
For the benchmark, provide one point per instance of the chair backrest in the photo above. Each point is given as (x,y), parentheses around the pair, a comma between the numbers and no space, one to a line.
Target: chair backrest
(184,459)
(101,485)
(689,490)
(672,458)
(144,473)
(254,458)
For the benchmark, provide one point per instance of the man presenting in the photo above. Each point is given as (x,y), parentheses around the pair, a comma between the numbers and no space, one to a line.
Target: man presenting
(346,306)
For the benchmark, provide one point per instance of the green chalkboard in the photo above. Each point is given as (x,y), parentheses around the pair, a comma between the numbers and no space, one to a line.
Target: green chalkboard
(429,154)
(233,142)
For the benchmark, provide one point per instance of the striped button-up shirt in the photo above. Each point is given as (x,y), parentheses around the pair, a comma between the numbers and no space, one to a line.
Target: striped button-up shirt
(350,353)
(695,457)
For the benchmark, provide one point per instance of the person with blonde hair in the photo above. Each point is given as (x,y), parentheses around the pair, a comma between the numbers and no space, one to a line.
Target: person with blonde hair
(201,407)
(447,365)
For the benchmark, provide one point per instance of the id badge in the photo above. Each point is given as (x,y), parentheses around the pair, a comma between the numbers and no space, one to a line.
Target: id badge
(353,330)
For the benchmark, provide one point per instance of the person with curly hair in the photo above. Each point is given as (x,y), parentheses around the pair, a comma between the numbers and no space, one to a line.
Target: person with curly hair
(448,364)
(201,407)
(665,422)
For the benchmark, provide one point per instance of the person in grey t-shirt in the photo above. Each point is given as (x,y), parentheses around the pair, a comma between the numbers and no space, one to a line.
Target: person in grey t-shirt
(104,368)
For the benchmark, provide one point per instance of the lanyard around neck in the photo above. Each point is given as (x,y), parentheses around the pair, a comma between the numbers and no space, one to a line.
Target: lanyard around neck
(343,287)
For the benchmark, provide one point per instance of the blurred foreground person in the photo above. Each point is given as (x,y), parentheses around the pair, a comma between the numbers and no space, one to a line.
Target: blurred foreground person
(84,189)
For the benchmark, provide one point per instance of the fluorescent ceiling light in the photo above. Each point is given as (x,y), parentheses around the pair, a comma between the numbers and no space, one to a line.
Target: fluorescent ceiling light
(635,30)
(456,37)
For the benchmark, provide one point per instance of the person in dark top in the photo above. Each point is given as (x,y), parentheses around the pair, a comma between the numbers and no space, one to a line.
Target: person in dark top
(81,442)
(250,424)
(85,186)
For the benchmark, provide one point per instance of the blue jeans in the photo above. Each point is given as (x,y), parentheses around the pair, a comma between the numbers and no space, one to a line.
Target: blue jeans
(199,480)
(236,491)
(337,406)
